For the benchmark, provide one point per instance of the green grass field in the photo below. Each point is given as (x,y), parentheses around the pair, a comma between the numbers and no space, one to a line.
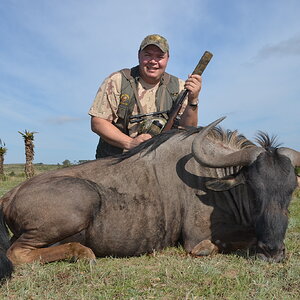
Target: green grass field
(169,274)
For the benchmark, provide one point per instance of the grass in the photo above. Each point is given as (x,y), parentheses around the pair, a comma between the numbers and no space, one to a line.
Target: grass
(169,274)
(14,175)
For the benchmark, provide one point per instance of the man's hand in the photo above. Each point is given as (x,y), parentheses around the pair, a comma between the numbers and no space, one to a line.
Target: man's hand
(193,84)
(138,140)
(112,135)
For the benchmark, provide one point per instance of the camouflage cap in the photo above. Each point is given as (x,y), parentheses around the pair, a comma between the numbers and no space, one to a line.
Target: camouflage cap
(157,40)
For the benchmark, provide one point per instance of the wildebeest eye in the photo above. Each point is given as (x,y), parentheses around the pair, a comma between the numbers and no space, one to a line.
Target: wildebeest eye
(225,183)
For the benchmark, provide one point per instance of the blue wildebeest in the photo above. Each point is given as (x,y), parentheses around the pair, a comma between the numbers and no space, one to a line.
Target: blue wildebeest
(210,190)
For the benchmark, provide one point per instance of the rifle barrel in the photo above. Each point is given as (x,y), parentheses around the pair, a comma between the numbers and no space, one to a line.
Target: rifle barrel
(140,116)
(202,64)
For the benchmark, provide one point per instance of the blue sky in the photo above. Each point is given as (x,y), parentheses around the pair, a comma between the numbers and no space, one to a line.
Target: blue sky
(55,54)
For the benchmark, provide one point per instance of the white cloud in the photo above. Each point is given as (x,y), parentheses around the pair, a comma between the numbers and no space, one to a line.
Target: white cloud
(282,49)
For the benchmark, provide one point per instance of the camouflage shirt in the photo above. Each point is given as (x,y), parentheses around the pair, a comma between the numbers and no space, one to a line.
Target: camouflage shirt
(107,99)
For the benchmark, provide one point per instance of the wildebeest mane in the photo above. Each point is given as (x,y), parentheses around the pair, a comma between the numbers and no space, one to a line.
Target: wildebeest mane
(267,142)
(228,137)
(231,138)
(149,145)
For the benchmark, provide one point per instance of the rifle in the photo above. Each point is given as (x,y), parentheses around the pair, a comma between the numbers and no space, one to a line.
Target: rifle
(140,117)
(173,112)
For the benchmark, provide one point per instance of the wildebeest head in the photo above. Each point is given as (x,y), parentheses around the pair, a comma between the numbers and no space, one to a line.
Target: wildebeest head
(268,172)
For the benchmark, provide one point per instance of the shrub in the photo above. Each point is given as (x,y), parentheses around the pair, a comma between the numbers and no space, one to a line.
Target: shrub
(3,177)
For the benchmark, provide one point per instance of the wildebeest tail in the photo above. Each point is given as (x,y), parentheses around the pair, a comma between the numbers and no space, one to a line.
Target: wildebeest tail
(6,267)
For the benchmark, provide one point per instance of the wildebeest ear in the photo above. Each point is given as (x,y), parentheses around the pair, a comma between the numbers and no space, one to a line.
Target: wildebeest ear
(225,183)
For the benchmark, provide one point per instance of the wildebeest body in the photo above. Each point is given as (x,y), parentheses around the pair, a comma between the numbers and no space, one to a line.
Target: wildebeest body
(122,215)
(162,193)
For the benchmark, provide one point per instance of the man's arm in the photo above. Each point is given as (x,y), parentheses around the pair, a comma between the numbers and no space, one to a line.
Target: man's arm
(190,115)
(112,135)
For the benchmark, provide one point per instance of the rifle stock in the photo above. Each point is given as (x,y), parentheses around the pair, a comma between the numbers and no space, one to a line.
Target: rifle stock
(202,64)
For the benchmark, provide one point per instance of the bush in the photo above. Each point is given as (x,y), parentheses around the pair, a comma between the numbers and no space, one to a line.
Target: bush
(3,177)
(66,163)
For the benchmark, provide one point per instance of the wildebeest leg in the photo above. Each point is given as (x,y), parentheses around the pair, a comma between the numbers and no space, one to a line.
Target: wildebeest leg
(204,248)
(224,239)
(20,253)
(207,247)
(50,212)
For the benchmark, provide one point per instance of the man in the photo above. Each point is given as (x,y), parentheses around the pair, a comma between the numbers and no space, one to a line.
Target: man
(145,88)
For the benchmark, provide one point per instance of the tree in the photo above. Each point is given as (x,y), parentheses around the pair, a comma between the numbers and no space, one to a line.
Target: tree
(66,163)
(3,150)
(29,152)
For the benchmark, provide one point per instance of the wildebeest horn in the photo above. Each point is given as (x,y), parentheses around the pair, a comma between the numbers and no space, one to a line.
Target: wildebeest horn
(213,154)
(293,155)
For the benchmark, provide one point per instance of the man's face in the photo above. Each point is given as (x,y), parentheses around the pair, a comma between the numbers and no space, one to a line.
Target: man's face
(152,63)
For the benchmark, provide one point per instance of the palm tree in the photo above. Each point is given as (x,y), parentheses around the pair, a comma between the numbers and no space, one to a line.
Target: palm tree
(29,151)
(3,150)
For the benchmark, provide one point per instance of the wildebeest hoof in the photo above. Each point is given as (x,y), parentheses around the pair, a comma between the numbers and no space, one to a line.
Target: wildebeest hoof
(81,252)
(93,262)
(204,248)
